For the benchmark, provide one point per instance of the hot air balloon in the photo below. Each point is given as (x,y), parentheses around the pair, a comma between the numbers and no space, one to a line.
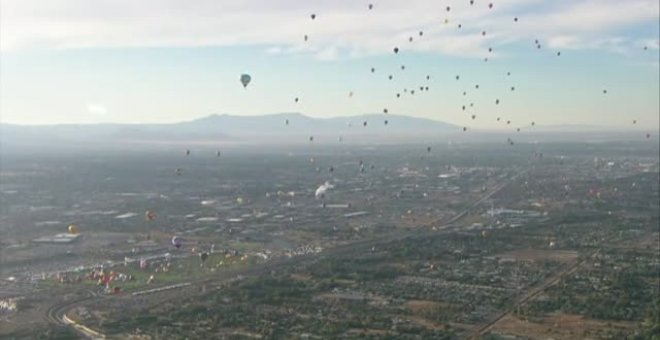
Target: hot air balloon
(448,8)
(149,215)
(371,6)
(385,110)
(296,99)
(497,101)
(245,79)
(396,50)
(313,16)
(176,241)
(73,229)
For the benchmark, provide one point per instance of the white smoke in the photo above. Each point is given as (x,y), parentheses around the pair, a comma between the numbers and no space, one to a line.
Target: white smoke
(321,190)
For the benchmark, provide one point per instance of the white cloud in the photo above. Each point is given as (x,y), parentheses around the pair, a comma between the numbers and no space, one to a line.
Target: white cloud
(274,50)
(97,110)
(340,27)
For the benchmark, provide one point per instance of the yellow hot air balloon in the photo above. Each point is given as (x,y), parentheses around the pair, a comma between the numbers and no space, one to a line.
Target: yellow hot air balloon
(73,229)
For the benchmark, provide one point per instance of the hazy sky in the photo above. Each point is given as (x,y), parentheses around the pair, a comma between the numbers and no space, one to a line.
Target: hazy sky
(88,61)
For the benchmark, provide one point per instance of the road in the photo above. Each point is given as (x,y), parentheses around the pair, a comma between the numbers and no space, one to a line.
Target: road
(57,313)
(530,294)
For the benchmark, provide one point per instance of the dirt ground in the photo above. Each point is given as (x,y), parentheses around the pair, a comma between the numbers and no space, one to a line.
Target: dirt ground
(540,254)
(419,306)
(559,326)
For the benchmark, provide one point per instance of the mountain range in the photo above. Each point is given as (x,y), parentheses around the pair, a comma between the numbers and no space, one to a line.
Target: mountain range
(280,128)
(224,128)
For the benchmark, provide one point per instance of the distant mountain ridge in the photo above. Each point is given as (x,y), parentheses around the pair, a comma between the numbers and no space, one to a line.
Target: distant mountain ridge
(225,127)
(298,123)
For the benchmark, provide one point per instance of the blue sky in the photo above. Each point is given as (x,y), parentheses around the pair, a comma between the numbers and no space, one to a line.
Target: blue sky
(75,61)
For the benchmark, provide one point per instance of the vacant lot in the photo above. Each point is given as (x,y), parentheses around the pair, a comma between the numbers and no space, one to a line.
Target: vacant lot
(539,255)
(560,326)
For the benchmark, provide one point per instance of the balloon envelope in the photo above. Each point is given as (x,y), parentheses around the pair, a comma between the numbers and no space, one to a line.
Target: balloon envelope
(245,79)
(73,229)
(149,215)
(176,241)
